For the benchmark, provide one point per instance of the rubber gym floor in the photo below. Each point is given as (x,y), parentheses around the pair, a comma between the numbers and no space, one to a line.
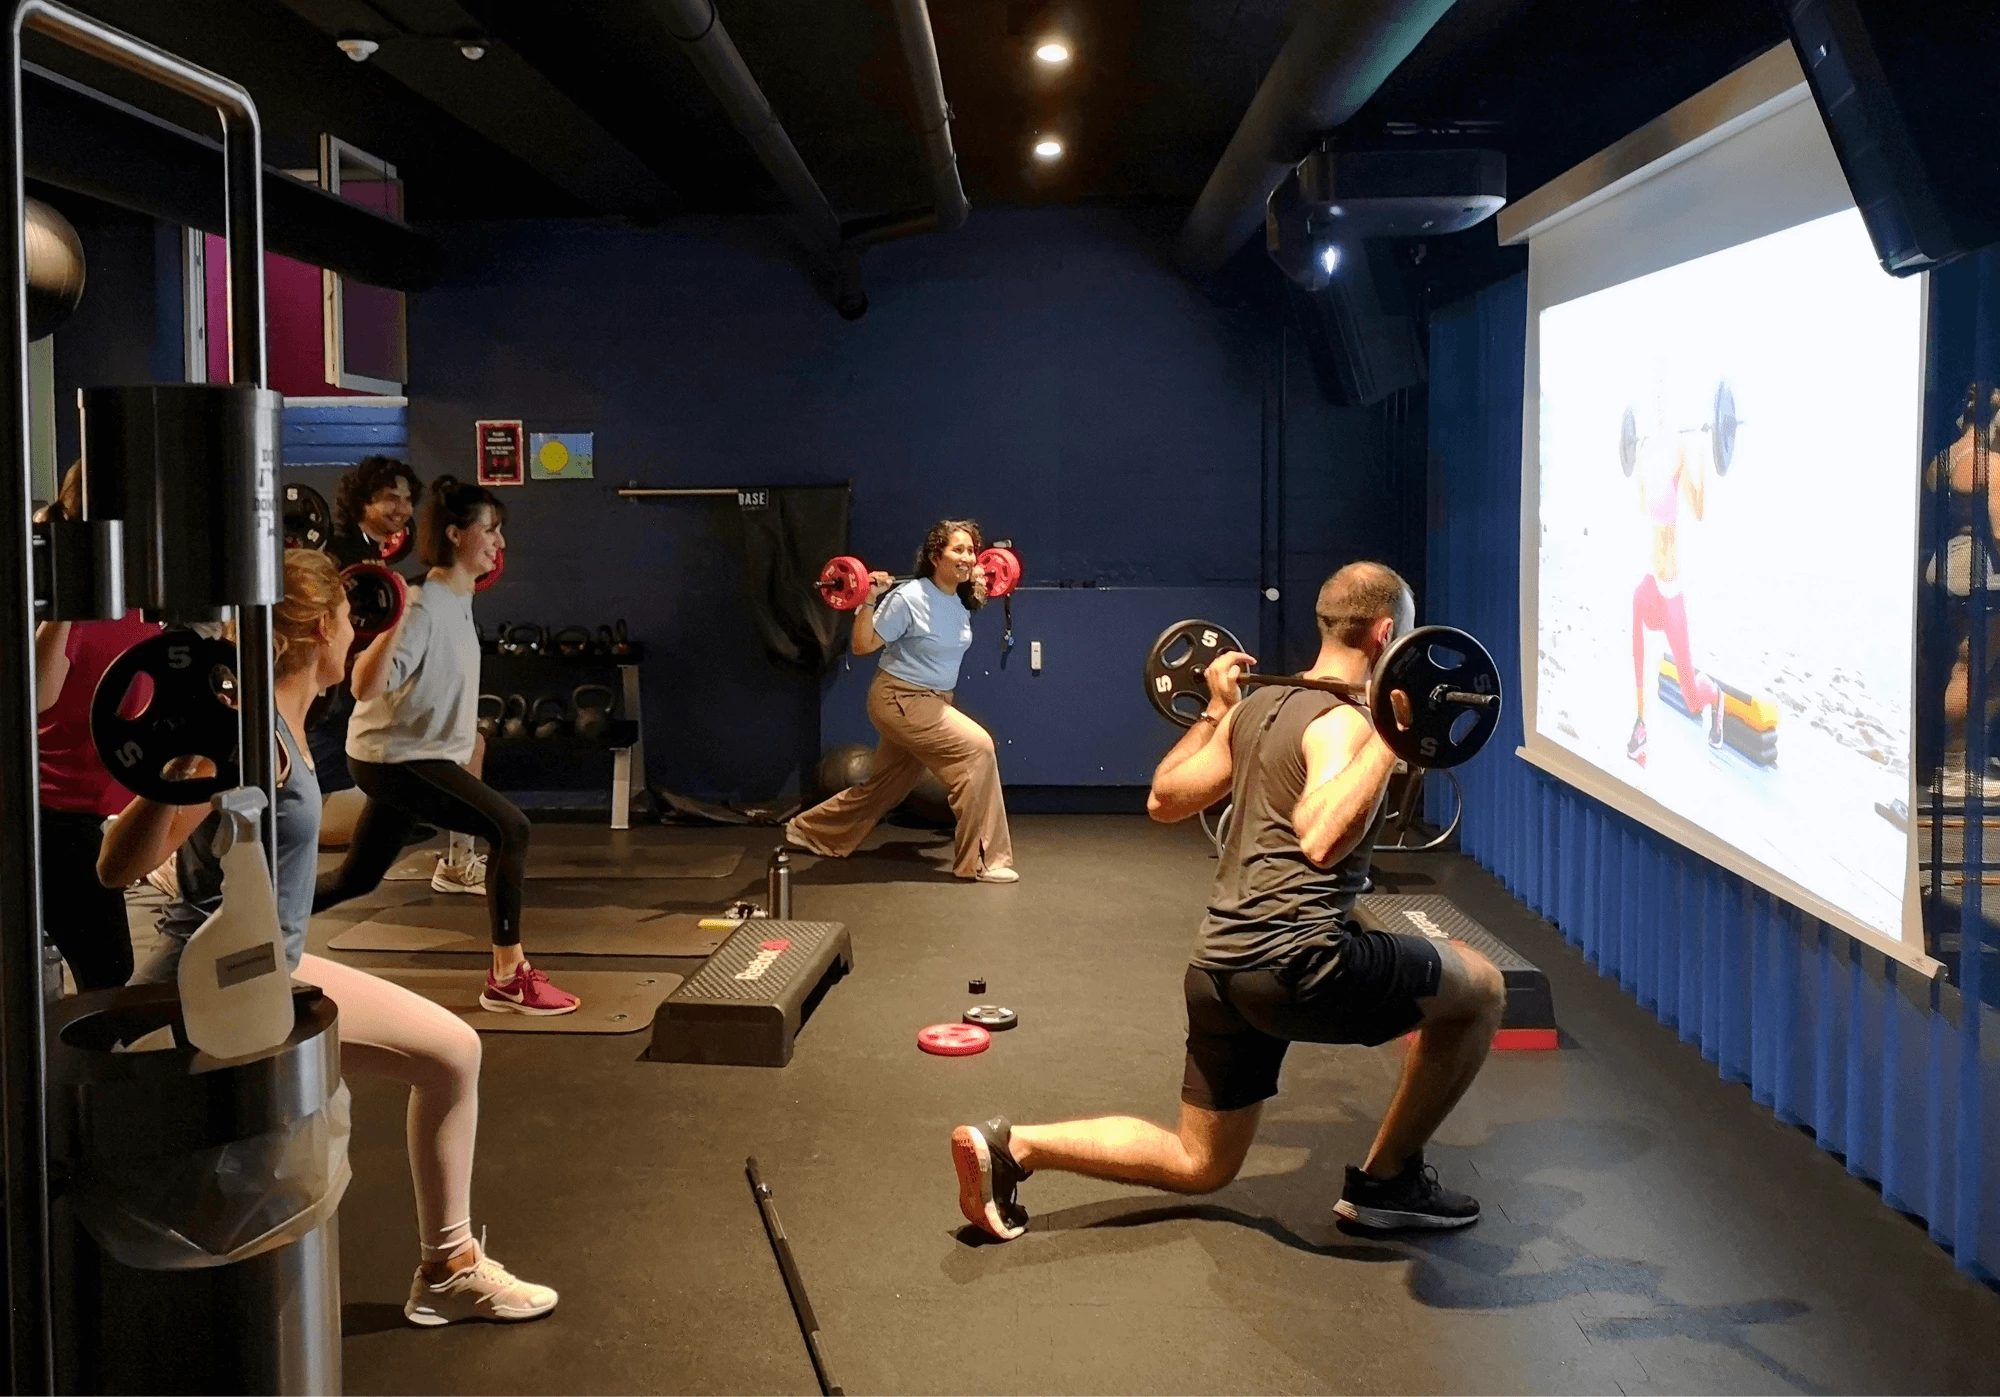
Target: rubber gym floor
(1648,1228)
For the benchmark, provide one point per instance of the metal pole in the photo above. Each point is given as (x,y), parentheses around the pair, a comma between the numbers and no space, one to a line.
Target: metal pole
(25,1159)
(795,1284)
(243,214)
(24,1144)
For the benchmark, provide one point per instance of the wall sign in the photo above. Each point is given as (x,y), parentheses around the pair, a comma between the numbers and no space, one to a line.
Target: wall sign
(501,448)
(559,455)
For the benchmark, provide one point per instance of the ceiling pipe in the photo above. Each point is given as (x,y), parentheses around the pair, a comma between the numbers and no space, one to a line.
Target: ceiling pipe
(1339,53)
(697,28)
(913,23)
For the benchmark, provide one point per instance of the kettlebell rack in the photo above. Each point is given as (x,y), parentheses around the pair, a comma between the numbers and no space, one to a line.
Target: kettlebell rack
(544,680)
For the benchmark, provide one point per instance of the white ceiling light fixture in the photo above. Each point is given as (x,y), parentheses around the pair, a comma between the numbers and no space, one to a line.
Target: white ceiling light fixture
(1329,259)
(1048,148)
(1053,52)
(357,48)
(473,49)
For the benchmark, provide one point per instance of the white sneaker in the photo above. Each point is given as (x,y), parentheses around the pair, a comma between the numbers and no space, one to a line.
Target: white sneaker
(486,1291)
(467,877)
(998,875)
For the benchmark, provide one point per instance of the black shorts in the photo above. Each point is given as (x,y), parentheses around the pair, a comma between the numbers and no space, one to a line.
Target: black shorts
(1362,988)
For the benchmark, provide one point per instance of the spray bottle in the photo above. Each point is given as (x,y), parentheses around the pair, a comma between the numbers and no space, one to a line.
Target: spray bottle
(236,988)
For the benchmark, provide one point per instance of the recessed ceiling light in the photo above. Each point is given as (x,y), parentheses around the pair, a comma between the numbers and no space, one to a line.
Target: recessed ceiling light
(1048,148)
(1053,52)
(1329,258)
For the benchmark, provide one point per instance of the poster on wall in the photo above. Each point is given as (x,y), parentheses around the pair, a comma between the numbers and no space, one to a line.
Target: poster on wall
(500,451)
(559,455)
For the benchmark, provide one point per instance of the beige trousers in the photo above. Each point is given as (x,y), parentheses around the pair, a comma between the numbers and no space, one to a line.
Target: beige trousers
(920,731)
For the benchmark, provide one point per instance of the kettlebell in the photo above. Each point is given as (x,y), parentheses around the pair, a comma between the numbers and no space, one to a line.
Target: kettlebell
(621,647)
(592,704)
(572,642)
(514,718)
(528,638)
(551,716)
(491,709)
(601,647)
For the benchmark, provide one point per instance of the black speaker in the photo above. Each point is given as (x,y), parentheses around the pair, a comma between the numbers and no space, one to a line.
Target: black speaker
(1906,89)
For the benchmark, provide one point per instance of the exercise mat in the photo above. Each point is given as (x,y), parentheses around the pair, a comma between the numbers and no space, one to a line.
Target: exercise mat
(605,857)
(614,1001)
(461,927)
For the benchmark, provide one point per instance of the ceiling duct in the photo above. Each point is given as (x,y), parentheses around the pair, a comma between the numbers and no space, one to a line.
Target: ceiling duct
(1339,53)
(697,28)
(948,201)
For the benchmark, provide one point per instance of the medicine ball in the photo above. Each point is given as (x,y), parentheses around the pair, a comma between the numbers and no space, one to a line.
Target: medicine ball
(929,804)
(847,765)
(55,268)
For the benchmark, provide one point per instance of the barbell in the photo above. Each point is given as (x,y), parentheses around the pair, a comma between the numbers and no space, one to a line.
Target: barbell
(844,582)
(1452,683)
(1720,430)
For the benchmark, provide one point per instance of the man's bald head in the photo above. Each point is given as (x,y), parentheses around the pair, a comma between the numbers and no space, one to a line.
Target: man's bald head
(1355,598)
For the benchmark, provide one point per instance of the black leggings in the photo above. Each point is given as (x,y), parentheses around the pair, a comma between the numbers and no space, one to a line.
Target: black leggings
(402,794)
(84,918)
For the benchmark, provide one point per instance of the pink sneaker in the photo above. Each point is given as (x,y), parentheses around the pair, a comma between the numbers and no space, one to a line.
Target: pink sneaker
(529,992)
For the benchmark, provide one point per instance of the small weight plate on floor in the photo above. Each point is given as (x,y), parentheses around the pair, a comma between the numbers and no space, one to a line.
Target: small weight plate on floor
(993,1017)
(953,1039)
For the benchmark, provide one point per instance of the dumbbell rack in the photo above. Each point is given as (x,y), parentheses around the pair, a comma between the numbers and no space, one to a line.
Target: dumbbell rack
(536,675)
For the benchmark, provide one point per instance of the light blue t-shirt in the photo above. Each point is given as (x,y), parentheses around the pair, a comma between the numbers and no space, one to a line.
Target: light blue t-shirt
(926,631)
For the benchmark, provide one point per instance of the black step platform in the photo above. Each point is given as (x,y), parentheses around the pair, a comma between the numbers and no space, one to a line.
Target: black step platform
(1530,1021)
(745,1005)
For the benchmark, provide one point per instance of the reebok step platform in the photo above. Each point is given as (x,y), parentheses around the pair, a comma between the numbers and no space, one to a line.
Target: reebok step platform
(1530,1020)
(744,1006)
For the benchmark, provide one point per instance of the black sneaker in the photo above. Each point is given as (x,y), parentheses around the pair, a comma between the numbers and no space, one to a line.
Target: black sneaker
(987,1175)
(1414,1198)
(1716,735)
(1635,746)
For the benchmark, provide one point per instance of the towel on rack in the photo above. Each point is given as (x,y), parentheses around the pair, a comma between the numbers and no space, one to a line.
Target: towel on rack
(788,533)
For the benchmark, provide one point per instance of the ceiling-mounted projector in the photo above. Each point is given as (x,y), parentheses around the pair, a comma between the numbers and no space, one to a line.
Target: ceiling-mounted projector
(1336,198)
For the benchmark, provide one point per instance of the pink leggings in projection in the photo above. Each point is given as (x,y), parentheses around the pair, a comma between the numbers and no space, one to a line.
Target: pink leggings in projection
(1654,611)
(387,1031)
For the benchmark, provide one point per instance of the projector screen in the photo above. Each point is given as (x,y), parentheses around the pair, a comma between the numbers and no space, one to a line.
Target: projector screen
(1720,519)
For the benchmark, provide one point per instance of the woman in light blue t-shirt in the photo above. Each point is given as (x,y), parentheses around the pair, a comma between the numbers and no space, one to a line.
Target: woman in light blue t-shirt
(923,628)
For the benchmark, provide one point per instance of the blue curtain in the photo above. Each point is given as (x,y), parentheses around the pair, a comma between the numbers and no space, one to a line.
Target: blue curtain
(1884,1066)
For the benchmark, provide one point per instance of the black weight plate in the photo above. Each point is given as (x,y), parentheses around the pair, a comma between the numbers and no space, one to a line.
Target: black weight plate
(1722,427)
(992,1017)
(308,523)
(1425,664)
(1174,685)
(190,713)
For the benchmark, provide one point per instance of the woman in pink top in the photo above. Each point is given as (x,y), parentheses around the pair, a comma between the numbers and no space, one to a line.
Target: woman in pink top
(85,919)
(1667,475)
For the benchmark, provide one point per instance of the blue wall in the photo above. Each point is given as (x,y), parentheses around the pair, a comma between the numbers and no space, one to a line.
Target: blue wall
(1889,1070)
(1047,372)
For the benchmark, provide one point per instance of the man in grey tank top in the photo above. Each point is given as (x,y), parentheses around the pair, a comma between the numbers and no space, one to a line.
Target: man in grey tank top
(1279,960)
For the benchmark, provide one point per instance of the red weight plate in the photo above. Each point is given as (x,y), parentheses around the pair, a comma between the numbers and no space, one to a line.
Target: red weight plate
(1002,567)
(843,583)
(954,1039)
(396,547)
(377,595)
(487,579)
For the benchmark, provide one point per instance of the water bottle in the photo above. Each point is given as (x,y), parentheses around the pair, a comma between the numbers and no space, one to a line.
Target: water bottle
(778,885)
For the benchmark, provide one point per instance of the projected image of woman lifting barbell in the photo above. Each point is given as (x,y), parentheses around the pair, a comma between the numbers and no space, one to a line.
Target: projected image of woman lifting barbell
(1667,473)
(923,628)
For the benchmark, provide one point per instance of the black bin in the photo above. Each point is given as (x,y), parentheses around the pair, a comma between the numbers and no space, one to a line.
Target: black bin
(195,1246)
